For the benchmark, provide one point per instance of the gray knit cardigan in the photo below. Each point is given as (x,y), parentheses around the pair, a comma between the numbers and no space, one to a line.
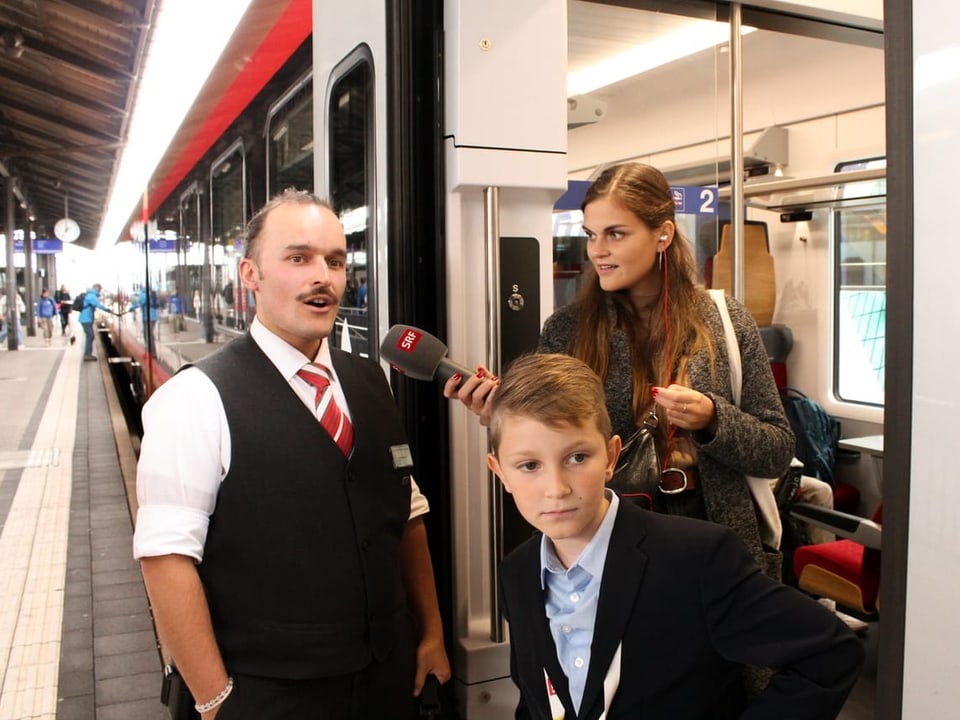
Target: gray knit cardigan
(754,439)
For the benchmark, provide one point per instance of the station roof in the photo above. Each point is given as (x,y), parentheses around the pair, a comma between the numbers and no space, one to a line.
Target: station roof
(68,74)
(68,71)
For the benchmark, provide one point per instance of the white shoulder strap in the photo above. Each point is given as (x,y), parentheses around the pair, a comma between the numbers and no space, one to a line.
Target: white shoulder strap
(733,348)
(771,527)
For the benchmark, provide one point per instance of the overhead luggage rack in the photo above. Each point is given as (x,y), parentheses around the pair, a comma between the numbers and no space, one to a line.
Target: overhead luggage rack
(844,189)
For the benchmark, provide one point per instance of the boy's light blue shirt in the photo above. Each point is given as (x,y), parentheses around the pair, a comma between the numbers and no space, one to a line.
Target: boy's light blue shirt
(571,599)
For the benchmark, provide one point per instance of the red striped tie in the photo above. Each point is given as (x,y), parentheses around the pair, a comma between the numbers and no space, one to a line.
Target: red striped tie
(331,417)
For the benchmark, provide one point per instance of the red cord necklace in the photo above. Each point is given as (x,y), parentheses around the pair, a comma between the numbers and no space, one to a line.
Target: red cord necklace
(669,360)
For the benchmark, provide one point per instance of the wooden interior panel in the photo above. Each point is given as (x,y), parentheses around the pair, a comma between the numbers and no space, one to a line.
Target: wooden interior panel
(759,283)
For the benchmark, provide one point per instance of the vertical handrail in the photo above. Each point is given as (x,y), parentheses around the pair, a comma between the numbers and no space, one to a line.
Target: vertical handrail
(736,149)
(29,280)
(491,239)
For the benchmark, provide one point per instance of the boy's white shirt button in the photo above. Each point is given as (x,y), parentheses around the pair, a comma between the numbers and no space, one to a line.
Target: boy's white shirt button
(575,597)
(566,628)
(578,662)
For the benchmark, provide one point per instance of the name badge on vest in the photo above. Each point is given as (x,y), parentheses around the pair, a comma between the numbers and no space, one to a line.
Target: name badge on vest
(402,459)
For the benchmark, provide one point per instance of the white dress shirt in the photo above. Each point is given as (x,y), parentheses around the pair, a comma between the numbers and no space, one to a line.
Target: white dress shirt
(185,453)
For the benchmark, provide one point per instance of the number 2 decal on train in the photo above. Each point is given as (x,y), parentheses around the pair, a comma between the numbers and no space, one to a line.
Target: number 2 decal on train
(687,197)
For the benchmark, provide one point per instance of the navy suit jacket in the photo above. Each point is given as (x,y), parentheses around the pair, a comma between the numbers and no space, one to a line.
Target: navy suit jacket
(691,608)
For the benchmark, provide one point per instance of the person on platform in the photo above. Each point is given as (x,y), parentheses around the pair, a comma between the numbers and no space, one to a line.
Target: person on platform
(140,303)
(280,531)
(63,299)
(46,311)
(362,294)
(175,309)
(91,303)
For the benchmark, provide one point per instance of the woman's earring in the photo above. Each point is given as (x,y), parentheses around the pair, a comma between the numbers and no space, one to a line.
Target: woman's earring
(660,259)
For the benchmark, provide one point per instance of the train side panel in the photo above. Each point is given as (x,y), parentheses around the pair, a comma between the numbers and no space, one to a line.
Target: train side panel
(932,633)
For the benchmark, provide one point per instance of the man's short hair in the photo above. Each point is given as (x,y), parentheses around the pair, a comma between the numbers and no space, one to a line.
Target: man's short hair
(290,196)
(557,390)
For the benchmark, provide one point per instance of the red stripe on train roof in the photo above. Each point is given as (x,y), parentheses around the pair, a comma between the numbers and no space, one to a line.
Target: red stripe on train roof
(291,29)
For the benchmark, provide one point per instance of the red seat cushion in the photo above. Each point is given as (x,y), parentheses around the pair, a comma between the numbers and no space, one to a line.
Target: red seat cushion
(779,374)
(843,557)
(846,498)
(846,561)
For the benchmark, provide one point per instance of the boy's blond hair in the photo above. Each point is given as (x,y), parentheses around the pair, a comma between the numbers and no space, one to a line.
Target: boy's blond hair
(557,390)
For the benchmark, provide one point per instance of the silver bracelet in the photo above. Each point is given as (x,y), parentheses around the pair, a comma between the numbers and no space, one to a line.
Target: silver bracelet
(211,704)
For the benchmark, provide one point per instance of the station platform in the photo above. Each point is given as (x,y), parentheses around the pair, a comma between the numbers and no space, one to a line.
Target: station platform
(77,641)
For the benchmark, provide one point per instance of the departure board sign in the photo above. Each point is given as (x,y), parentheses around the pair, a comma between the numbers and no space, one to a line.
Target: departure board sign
(161,245)
(41,246)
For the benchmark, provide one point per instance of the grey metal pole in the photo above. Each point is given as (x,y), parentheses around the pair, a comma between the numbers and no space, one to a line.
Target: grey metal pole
(147,305)
(206,272)
(736,149)
(29,282)
(491,236)
(11,320)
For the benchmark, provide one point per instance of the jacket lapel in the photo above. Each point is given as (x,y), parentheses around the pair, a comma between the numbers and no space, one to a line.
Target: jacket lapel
(623,574)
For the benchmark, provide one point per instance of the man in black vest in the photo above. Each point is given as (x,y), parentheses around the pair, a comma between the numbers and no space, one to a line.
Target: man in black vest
(284,554)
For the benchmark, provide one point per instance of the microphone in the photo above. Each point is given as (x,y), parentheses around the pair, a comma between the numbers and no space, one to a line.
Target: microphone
(419,355)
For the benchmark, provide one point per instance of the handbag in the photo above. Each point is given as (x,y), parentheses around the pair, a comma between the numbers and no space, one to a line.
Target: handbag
(637,474)
(771,527)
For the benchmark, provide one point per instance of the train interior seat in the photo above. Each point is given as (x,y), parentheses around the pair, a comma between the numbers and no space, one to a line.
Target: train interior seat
(760,294)
(846,570)
(760,287)
(846,497)
(778,342)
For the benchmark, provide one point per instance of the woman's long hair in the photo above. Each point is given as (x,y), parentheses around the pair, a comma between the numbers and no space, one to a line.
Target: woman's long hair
(644,191)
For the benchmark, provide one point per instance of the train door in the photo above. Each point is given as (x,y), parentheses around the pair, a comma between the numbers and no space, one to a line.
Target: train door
(350,156)
(375,156)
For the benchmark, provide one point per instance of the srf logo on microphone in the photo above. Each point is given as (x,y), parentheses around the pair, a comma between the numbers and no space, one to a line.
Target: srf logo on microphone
(408,340)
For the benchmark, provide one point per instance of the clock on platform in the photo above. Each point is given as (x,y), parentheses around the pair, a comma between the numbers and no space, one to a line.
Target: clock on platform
(66,230)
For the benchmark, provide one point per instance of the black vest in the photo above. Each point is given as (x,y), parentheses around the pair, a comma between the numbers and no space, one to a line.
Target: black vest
(301,565)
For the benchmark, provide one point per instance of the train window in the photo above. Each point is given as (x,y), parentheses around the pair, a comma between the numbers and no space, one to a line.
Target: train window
(190,273)
(228,217)
(290,146)
(860,301)
(351,148)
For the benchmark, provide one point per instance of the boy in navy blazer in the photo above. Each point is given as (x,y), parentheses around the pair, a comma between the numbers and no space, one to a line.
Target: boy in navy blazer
(616,612)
